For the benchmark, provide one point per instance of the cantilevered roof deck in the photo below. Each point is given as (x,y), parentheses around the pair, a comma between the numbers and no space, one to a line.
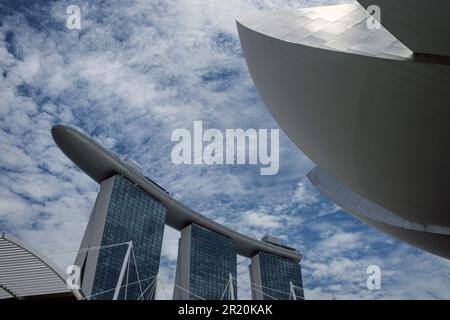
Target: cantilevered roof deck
(100,164)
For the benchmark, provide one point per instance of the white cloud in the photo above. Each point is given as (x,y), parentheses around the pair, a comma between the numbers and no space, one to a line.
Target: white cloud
(339,243)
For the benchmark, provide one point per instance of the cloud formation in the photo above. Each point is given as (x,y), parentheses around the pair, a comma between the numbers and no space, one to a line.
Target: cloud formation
(129,77)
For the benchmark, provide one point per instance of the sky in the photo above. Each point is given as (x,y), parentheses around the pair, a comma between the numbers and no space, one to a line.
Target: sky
(133,73)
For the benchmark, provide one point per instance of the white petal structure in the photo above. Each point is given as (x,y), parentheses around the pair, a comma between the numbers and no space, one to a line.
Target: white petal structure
(369,111)
(423,26)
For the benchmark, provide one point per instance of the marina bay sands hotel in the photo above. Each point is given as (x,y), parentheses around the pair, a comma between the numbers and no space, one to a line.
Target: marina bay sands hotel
(132,208)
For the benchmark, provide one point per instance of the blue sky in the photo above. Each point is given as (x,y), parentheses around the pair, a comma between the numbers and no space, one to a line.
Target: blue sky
(135,72)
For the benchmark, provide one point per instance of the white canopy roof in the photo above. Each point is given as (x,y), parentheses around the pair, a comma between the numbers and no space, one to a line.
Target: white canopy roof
(26,273)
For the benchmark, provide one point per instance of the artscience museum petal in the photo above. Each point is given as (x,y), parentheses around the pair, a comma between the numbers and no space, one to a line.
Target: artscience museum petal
(368,109)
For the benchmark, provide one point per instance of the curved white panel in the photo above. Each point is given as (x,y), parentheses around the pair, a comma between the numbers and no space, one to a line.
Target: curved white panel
(355,203)
(423,236)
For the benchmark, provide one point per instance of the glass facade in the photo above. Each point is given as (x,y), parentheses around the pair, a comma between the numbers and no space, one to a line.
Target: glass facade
(213,258)
(276,275)
(132,215)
